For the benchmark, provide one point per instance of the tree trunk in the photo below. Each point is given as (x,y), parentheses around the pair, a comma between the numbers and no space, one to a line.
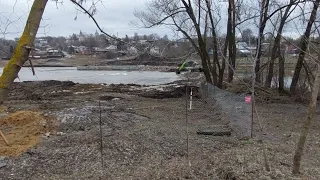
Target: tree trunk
(221,73)
(276,50)
(303,46)
(215,48)
(224,53)
(205,67)
(232,40)
(274,54)
(307,123)
(209,71)
(281,73)
(263,20)
(22,50)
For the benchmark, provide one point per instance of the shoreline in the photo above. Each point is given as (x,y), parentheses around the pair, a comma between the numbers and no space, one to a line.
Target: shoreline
(109,67)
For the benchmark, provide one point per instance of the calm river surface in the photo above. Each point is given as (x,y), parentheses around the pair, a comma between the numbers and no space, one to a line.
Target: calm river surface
(108,77)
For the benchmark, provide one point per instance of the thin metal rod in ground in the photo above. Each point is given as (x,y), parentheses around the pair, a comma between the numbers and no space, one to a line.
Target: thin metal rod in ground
(187,126)
(264,149)
(101,137)
(191,94)
(254,75)
(252,95)
(252,112)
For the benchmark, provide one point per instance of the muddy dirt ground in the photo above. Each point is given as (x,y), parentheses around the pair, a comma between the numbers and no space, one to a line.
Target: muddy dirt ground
(144,135)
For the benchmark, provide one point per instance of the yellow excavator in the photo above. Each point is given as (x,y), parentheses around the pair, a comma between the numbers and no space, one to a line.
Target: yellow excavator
(189,65)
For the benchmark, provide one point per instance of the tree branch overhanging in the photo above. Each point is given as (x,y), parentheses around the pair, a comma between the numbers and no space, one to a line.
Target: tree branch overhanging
(95,21)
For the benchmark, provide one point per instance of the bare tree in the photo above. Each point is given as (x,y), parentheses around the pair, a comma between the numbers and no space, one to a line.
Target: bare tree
(215,46)
(276,50)
(303,46)
(263,19)
(26,41)
(262,24)
(308,121)
(90,42)
(195,20)
(136,37)
(247,35)
(23,48)
(231,31)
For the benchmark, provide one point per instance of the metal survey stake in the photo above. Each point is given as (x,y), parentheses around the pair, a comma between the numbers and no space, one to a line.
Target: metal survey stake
(101,136)
(187,126)
(191,98)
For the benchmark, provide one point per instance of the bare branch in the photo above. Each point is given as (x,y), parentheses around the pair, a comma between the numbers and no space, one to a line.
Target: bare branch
(94,20)
(165,18)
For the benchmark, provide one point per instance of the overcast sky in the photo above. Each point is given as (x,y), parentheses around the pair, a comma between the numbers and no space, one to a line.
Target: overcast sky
(114,16)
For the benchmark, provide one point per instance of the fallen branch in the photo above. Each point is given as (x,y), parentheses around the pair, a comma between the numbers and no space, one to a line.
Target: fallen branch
(152,107)
(214,133)
(268,92)
(32,68)
(4,138)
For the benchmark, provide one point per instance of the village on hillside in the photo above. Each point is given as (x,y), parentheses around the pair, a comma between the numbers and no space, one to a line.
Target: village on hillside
(103,47)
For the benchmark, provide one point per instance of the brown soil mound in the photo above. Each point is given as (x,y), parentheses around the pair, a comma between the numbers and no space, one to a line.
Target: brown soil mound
(22,130)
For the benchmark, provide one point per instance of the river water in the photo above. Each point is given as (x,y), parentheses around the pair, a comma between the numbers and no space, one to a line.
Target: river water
(108,77)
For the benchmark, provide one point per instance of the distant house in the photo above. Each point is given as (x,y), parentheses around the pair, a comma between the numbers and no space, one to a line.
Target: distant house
(252,49)
(69,40)
(143,41)
(243,50)
(46,47)
(241,45)
(82,37)
(83,50)
(43,41)
(98,51)
(291,50)
(112,48)
(133,50)
(38,54)
(40,42)
(155,50)
(54,53)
